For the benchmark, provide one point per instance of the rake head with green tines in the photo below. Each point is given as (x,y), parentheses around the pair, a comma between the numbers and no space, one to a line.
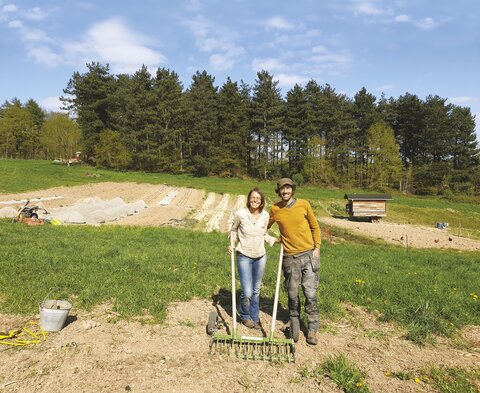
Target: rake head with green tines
(254,348)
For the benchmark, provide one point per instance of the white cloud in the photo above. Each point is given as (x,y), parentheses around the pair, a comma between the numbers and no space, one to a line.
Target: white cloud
(193,5)
(51,104)
(44,55)
(110,41)
(319,49)
(332,59)
(9,8)
(427,24)
(114,43)
(36,13)
(15,24)
(402,18)
(365,7)
(212,39)
(34,35)
(226,58)
(220,62)
(384,88)
(277,23)
(267,65)
(288,81)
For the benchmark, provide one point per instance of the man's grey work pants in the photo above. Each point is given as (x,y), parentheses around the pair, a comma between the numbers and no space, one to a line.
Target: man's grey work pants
(302,269)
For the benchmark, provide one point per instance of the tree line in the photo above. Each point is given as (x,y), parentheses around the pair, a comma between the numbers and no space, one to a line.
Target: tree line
(314,134)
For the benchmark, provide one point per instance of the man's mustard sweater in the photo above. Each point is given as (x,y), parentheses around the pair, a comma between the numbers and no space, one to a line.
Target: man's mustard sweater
(298,226)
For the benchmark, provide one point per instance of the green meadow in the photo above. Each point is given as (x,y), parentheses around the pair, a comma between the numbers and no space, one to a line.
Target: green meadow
(429,293)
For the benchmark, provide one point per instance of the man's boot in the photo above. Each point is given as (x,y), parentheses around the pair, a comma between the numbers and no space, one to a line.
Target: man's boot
(295,328)
(312,337)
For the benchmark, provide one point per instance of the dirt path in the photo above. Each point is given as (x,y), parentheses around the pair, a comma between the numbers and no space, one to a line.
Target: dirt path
(415,236)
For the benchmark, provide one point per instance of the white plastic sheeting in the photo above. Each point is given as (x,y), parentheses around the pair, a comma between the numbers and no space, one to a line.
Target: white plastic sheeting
(96,211)
(169,198)
(8,212)
(15,202)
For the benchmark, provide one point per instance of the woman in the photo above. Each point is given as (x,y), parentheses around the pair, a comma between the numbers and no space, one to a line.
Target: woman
(249,229)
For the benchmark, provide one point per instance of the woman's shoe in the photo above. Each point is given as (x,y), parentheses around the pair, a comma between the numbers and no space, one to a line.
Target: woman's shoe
(248,323)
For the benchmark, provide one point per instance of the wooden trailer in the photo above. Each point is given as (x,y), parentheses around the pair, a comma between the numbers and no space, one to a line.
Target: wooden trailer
(369,206)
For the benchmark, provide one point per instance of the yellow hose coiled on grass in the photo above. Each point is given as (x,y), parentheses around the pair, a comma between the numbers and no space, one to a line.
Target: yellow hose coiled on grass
(24,336)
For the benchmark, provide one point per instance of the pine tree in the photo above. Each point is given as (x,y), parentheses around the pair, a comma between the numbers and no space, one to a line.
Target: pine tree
(267,123)
(296,131)
(233,122)
(201,122)
(465,152)
(364,113)
(332,121)
(408,126)
(169,108)
(88,97)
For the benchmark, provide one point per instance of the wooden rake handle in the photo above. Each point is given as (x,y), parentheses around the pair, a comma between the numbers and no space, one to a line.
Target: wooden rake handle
(277,290)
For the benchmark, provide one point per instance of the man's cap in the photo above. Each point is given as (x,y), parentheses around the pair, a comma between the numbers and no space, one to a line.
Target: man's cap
(284,181)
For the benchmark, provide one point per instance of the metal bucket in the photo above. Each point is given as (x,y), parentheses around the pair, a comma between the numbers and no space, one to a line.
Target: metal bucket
(53,314)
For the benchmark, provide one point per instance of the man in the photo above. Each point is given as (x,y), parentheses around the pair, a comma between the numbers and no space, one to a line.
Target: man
(300,236)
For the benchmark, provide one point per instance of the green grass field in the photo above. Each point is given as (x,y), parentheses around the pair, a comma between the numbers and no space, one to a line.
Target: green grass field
(428,292)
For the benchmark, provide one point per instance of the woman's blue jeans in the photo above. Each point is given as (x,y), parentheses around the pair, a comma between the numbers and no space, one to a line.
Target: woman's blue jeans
(251,272)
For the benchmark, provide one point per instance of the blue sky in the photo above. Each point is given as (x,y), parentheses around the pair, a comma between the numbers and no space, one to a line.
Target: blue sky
(420,47)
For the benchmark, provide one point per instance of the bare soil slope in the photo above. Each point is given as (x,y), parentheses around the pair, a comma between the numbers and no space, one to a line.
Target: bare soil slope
(179,206)
(95,353)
